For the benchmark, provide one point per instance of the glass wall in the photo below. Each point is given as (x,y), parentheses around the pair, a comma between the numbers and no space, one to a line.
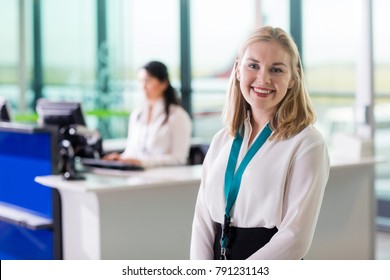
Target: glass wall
(69,49)
(97,63)
(329,55)
(214,44)
(136,34)
(92,49)
(148,34)
(382,111)
(9,54)
(16,57)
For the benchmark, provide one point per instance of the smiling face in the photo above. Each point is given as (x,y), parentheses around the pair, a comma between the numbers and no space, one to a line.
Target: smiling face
(265,75)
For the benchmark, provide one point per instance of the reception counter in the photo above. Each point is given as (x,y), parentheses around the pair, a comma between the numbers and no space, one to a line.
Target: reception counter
(128,214)
(148,214)
(346,225)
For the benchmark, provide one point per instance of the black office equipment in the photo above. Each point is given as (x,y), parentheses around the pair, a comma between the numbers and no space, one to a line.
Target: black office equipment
(197,153)
(4,111)
(59,113)
(101,163)
(75,139)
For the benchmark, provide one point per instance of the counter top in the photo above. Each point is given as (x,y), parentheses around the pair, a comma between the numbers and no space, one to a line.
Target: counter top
(101,180)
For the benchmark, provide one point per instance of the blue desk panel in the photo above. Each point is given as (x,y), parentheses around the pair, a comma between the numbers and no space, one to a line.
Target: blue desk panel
(23,156)
(20,243)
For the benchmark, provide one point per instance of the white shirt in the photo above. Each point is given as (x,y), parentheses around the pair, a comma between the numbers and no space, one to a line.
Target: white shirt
(158,143)
(282,186)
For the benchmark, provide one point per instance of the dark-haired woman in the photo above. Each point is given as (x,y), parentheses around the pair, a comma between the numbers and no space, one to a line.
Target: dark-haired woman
(160,130)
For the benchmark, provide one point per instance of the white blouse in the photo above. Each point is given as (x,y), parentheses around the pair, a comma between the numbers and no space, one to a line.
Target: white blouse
(159,143)
(282,186)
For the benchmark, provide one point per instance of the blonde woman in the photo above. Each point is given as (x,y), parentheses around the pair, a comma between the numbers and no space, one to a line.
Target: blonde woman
(265,173)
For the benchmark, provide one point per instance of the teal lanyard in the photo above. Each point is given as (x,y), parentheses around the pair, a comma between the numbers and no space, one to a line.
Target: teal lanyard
(232,178)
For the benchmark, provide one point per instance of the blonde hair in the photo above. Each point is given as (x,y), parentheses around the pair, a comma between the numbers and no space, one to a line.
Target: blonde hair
(294,112)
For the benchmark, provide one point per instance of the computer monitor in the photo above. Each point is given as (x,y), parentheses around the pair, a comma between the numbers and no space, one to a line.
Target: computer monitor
(69,119)
(59,113)
(4,112)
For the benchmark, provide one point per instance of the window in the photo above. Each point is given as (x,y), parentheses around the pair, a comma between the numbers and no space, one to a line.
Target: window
(214,47)
(329,57)
(103,76)
(382,111)
(9,56)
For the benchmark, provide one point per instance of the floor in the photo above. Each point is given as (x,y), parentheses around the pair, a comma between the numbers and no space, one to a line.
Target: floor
(382,245)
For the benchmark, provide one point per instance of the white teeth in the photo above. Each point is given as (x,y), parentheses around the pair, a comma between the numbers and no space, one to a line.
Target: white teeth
(262,91)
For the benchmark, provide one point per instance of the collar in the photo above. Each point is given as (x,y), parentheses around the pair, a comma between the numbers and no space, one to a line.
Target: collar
(158,109)
(248,125)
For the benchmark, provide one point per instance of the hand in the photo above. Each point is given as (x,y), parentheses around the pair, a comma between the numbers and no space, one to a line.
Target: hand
(132,161)
(112,156)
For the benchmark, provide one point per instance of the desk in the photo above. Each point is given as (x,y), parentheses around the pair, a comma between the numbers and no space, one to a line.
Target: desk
(346,224)
(148,215)
(128,215)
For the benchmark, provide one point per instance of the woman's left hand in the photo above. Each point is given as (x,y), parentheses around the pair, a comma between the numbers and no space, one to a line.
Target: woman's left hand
(132,161)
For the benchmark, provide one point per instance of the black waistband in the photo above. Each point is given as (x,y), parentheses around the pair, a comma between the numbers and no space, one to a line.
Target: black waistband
(244,241)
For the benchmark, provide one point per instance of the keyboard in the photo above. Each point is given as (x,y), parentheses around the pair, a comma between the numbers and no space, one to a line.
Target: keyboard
(101,163)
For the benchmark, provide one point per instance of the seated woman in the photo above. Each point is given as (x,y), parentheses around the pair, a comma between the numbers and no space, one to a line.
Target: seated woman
(160,130)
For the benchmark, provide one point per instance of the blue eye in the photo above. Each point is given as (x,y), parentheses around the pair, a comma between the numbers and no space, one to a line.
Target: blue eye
(276,70)
(254,66)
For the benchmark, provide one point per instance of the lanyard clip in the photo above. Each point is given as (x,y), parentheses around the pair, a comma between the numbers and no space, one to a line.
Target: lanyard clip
(223,254)
(226,232)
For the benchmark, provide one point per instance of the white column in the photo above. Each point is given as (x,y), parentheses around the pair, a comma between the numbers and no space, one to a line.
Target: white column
(365,119)
(364,74)
(259,21)
(22,57)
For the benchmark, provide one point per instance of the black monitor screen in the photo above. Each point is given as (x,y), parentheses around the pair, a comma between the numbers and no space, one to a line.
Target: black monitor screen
(59,113)
(4,112)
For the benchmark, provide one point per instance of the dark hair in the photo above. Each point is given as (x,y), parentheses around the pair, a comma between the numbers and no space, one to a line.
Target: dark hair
(158,70)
